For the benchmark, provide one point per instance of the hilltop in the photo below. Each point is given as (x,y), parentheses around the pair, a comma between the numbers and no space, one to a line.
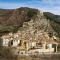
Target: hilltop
(11,20)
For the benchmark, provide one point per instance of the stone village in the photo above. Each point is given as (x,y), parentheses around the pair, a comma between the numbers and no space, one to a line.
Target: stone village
(23,44)
(30,41)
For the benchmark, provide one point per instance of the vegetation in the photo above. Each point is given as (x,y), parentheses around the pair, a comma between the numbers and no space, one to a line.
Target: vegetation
(52,17)
(1,42)
(56,28)
(54,22)
(6,54)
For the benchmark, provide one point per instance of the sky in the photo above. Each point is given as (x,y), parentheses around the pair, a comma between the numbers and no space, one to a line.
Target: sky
(44,5)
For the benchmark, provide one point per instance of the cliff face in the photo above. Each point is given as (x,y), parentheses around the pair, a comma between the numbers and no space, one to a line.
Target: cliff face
(29,19)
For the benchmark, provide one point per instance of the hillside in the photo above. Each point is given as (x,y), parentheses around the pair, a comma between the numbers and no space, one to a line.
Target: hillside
(10,20)
(54,22)
(13,20)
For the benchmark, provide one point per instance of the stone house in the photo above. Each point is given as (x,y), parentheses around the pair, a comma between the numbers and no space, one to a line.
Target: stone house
(30,45)
(44,44)
(14,43)
(39,42)
(5,40)
(10,40)
(43,47)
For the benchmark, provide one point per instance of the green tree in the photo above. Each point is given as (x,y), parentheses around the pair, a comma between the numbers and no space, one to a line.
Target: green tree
(1,41)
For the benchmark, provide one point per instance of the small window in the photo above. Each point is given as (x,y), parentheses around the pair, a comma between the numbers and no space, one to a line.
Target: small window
(39,44)
(47,47)
(12,42)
